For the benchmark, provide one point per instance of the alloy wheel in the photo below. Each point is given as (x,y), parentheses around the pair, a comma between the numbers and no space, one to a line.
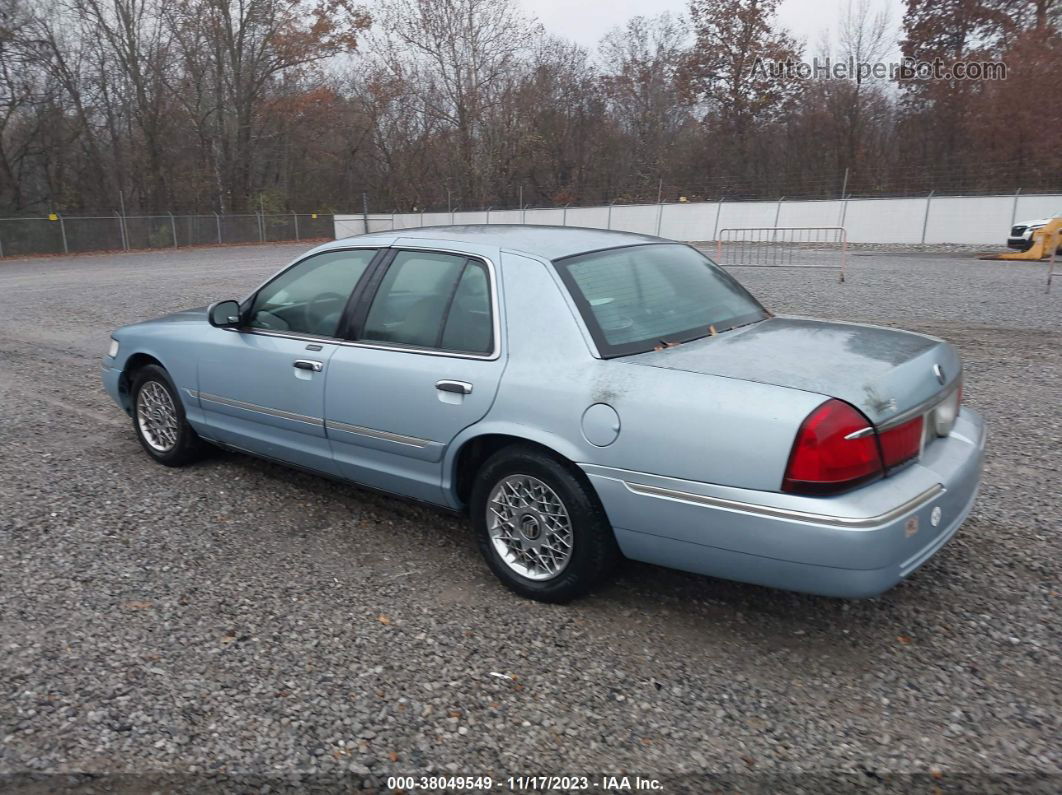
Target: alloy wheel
(529,527)
(157,417)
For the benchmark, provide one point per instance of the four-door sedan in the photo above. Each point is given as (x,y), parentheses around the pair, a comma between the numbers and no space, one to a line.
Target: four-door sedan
(583,395)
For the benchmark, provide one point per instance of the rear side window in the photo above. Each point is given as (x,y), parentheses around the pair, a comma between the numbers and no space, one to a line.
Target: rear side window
(468,325)
(435,301)
(634,298)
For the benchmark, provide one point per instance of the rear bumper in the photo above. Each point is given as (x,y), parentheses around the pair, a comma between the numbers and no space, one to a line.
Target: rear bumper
(853,545)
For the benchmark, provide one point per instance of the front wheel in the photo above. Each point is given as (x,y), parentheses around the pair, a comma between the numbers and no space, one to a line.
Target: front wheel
(159,421)
(540,525)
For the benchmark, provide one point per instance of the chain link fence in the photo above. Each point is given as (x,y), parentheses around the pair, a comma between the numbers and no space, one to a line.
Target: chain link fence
(62,234)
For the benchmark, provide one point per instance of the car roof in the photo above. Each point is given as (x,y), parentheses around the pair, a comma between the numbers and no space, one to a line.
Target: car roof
(550,242)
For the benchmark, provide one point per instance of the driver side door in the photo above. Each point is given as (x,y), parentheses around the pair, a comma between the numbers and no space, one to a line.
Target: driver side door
(261,386)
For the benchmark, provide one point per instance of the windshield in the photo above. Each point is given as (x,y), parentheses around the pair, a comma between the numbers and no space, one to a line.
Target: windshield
(638,297)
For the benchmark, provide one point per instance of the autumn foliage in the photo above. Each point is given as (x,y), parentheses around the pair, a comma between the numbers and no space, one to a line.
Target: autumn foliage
(232,105)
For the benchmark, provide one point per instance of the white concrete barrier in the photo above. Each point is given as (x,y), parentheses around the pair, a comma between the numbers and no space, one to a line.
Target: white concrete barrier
(975,220)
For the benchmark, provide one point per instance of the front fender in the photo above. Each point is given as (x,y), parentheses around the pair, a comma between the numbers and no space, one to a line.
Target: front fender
(156,340)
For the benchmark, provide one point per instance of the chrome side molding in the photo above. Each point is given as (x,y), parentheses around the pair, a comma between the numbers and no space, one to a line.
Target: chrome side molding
(239,404)
(786,513)
(397,438)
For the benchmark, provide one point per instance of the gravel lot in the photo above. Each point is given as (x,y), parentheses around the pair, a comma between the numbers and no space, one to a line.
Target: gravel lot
(238,624)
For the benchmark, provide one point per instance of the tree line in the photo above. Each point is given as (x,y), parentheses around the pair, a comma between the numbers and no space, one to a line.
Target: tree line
(235,105)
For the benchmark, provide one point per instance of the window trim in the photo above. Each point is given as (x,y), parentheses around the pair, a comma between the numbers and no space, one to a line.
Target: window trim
(607,350)
(368,295)
(367,285)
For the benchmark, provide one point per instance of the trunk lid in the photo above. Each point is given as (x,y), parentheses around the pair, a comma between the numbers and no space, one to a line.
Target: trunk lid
(881,371)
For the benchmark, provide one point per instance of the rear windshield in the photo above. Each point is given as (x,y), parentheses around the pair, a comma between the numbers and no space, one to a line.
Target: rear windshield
(637,297)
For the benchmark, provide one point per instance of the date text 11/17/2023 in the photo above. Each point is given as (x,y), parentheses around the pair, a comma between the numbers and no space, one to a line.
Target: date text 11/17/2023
(527,783)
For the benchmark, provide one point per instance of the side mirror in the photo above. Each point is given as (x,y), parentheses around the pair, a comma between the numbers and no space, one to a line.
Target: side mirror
(224,314)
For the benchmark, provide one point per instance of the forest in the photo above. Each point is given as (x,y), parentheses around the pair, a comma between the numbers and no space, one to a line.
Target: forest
(230,105)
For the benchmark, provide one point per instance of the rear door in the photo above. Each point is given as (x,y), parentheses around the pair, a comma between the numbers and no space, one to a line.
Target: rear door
(423,363)
(262,386)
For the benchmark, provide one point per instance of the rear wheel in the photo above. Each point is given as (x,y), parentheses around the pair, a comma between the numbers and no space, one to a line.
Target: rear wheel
(159,420)
(540,525)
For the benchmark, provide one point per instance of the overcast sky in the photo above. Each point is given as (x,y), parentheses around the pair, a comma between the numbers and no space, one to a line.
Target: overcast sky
(586,21)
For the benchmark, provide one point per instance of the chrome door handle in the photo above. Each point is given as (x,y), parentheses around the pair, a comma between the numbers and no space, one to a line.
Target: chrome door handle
(308,364)
(460,387)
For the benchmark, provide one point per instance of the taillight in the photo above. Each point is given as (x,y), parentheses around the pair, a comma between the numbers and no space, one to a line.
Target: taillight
(835,449)
(901,443)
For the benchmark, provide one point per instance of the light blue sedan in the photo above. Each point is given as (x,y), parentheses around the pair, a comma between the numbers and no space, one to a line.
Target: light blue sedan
(582,395)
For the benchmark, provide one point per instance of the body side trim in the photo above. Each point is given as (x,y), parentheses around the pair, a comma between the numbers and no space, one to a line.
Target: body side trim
(784,513)
(411,441)
(239,404)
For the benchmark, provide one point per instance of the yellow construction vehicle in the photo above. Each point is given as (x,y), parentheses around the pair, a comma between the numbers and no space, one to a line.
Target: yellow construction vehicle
(1038,240)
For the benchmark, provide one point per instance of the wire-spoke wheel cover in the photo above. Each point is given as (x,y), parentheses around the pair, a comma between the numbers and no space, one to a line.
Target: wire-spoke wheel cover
(156,417)
(529,527)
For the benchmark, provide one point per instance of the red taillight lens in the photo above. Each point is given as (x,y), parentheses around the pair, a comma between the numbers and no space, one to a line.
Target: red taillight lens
(835,449)
(901,443)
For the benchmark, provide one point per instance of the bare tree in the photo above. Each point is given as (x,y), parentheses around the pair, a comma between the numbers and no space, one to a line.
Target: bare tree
(247,44)
(859,104)
(641,65)
(458,58)
(133,51)
(18,125)
(725,71)
(565,128)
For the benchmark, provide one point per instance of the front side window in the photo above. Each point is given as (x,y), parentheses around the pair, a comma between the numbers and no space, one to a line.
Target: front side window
(433,300)
(309,297)
(635,298)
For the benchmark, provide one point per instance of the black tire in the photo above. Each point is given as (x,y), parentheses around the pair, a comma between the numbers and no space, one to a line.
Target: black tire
(187,447)
(594,552)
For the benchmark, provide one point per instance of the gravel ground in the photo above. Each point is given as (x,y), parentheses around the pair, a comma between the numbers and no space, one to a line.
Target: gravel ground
(237,624)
